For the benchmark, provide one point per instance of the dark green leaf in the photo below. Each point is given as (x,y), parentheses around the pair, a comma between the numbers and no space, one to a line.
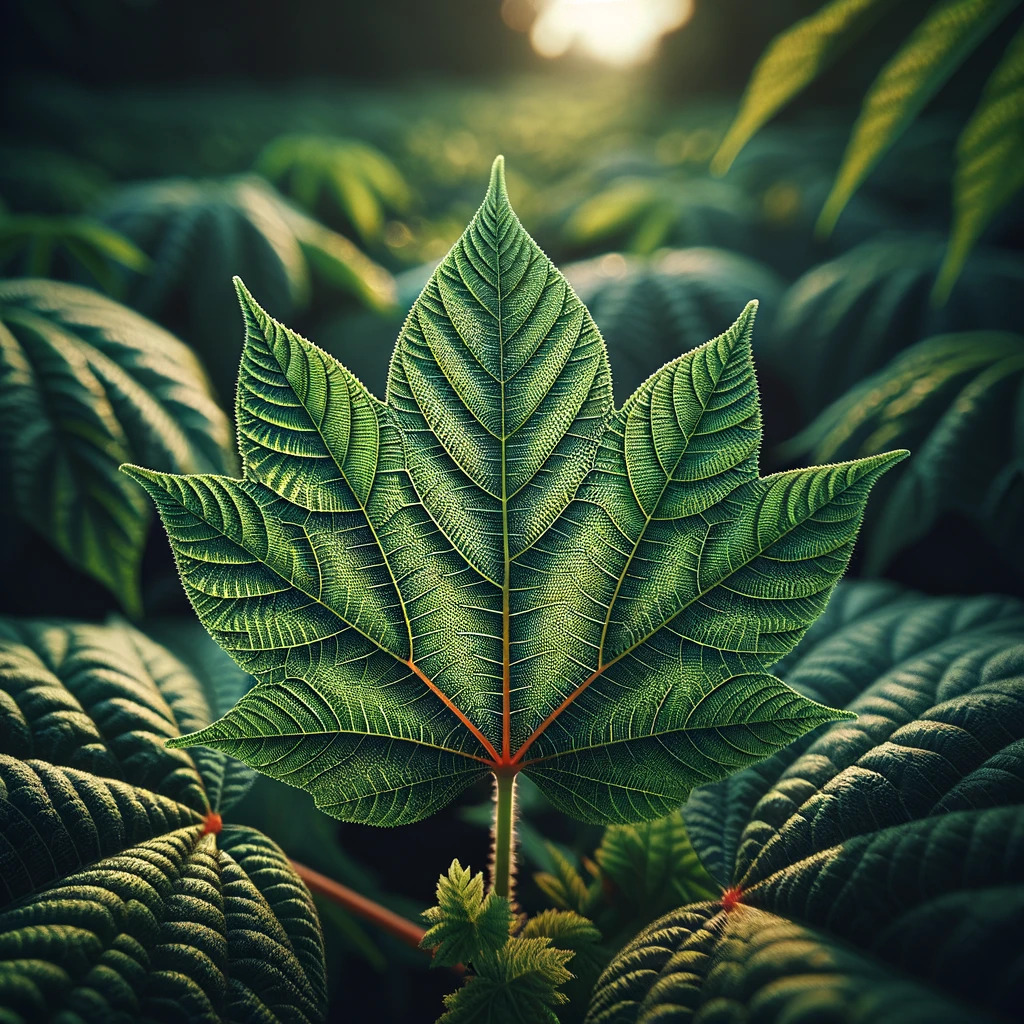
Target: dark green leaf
(990,161)
(955,401)
(84,385)
(874,872)
(120,895)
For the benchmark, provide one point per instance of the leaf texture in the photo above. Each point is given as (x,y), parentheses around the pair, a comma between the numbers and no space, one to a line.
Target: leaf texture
(946,36)
(495,570)
(84,385)
(120,895)
(647,309)
(793,60)
(954,400)
(990,161)
(874,871)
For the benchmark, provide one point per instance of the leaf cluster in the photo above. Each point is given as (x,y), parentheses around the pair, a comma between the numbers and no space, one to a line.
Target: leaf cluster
(515,976)
(123,894)
(875,870)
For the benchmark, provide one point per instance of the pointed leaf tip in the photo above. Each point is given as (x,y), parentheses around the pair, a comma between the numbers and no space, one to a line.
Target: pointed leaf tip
(496,190)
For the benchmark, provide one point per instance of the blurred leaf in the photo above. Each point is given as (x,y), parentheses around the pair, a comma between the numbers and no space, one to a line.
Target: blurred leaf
(873,872)
(650,212)
(34,180)
(990,161)
(649,310)
(123,894)
(362,182)
(956,402)
(791,62)
(846,318)
(199,234)
(86,384)
(35,245)
(937,47)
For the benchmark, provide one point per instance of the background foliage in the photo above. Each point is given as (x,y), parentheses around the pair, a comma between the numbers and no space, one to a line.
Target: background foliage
(151,150)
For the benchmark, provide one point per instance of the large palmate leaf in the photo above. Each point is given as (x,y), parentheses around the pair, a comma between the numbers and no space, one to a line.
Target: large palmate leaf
(875,871)
(85,384)
(955,400)
(497,571)
(122,894)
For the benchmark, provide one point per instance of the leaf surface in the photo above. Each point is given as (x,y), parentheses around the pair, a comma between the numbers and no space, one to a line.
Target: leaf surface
(495,569)
(874,871)
(84,385)
(121,894)
(954,400)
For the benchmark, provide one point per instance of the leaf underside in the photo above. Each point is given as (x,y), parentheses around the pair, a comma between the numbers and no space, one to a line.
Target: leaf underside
(873,871)
(121,897)
(495,570)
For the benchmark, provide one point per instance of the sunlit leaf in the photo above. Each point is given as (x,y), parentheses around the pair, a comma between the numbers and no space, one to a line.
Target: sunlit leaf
(495,570)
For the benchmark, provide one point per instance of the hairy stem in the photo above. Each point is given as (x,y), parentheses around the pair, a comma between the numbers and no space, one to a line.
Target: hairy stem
(503,834)
(367,909)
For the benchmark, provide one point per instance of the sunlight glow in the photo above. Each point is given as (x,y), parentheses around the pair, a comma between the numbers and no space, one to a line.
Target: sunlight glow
(619,32)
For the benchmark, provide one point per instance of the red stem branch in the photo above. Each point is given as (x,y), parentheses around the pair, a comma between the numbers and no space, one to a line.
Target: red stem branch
(352,901)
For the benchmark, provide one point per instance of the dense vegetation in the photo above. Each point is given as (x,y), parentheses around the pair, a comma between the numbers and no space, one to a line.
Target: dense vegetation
(832,829)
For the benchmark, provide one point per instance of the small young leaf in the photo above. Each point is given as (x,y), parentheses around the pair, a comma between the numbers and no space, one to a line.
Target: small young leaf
(936,48)
(518,983)
(465,925)
(495,569)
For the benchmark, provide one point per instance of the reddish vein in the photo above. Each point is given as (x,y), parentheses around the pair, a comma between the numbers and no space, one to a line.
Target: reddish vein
(456,710)
(535,735)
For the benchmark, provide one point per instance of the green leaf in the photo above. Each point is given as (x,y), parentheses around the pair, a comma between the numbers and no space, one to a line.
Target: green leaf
(647,309)
(518,983)
(990,161)
(35,245)
(954,399)
(793,60)
(847,318)
(122,896)
(874,871)
(465,924)
(497,570)
(86,384)
(936,48)
(199,234)
(360,180)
